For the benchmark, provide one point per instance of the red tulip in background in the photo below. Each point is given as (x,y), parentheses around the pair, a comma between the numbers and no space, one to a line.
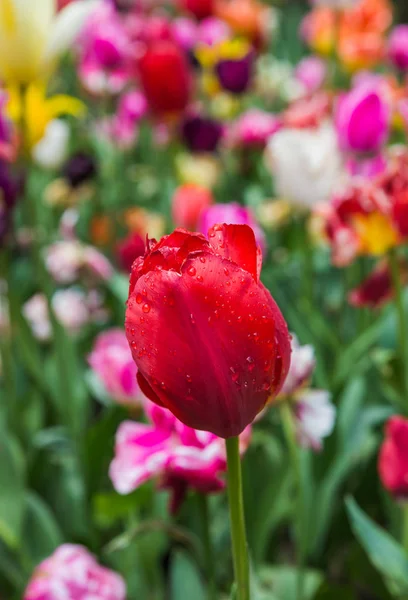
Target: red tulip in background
(209,341)
(393,459)
(129,250)
(165,77)
(199,8)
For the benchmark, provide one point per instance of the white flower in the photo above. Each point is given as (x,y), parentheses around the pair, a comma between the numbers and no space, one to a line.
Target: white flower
(33,35)
(51,151)
(315,417)
(306,164)
(301,367)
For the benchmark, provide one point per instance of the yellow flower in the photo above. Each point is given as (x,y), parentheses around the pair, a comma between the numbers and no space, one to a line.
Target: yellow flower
(376,233)
(33,35)
(202,169)
(32,110)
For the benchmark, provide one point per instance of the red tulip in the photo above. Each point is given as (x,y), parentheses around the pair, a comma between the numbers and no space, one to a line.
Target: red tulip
(199,8)
(393,459)
(209,341)
(129,249)
(165,77)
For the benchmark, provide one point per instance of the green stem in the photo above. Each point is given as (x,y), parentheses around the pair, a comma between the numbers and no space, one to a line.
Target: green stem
(405,526)
(208,546)
(237,521)
(402,322)
(294,451)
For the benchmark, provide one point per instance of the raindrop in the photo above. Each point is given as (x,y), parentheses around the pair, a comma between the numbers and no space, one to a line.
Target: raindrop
(251,363)
(192,319)
(239,318)
(226,271)
(235,374)
(191,271)
(200,278)
(139,298)
(266,386)
(133,331)
(146,308)
(189,378)
(202,259)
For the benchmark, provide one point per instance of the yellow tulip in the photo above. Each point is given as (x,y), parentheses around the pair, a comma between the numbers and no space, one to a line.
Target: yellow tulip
(33,35)
(32,110)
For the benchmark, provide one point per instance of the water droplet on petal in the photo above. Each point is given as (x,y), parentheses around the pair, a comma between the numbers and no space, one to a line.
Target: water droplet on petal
(202,259)
(192,319)
(234,374)
(146,308)
(139,298)
(200,278)
(226,271)
(191,271)
(251,363)
(266,386)
(189,378)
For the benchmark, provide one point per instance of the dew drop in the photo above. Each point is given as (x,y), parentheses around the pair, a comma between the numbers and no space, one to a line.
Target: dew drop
(266,386)
(251,363)
(162,385)
(200,278)
(202,259)
(226,271)
(234,374)
(189,378)
(239,318)
(142,319)
(192,319)
(146,308)
(191,271)
(139,298)
(133,331)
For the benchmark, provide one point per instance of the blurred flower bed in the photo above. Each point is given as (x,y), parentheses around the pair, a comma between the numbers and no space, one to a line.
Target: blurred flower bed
(121,121)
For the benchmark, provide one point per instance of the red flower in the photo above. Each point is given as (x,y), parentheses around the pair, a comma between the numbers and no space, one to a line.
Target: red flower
(199,8)
(165,77)
(378,288)
(129,250)
(209,341)
(393,459)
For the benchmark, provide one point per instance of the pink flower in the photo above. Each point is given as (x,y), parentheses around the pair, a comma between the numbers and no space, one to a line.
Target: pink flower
(378,288)
(66,260)
(178,456)
(212,31)
(72,573)
(254,128)
(122,128)
(311,73)
(398,47)
(363,118)
(393,458)
(301,368)
(112,362)
(231,213)
(184,31)
(105,52)
(70,308)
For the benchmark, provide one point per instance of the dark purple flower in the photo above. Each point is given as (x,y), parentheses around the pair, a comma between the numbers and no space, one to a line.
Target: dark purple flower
(79,168)
(201,134)
(235,75)
(9,189)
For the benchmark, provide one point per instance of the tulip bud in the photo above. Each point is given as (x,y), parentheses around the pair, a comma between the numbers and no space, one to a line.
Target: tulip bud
(209,341)
(165,77)
(393,458)
(398,47)
(363,119)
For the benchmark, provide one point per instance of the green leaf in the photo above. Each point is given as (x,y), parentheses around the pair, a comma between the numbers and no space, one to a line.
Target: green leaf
(185,580)
(41,533)
(384,552)
(282,582)
(12,493)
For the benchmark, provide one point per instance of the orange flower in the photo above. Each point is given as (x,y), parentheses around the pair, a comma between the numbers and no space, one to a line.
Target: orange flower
(359,33)
(248,18)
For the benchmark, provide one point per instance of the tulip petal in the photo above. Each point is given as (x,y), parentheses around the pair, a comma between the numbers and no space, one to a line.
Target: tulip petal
(237,243)
(187,332)
(66,27)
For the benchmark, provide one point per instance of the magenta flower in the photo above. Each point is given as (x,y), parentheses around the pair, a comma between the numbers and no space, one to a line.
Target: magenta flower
(178,456)
(398,47)
(231,214)
(254,128)
(105,52)
(111,360)
(72,573)
(68,260)
(363,118)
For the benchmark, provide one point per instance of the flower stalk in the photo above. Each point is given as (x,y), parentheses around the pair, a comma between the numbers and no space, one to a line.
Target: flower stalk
(402,321)
(237,520)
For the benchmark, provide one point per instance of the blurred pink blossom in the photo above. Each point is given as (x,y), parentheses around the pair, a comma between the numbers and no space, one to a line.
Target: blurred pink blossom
(67,260)
(178,456)
(362,118)
(212,31)
(231,213)
(105,52)
(253,128)
(112,362)
(398,47)
(315,416)
(311,73)
(72,573)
